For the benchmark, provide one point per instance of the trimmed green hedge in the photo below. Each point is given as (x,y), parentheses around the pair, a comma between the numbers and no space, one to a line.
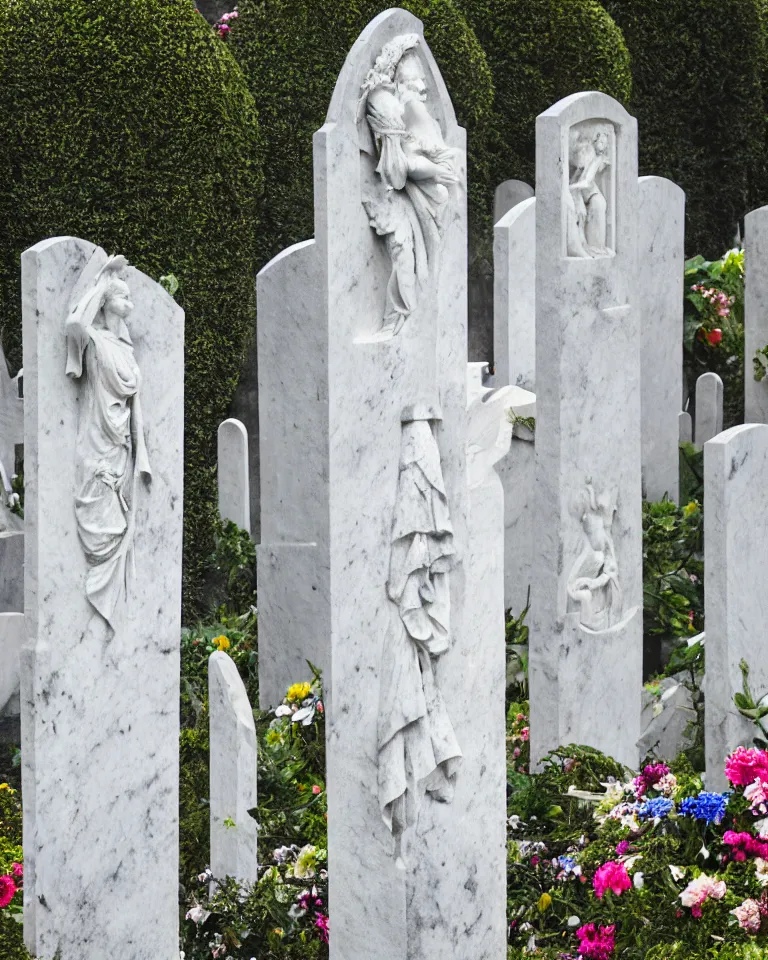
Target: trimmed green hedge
(291,52)
(697,95)
(540,51)
(128,123)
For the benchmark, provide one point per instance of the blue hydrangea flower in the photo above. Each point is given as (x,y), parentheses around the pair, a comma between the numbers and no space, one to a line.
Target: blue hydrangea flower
(658,807)
(707,806)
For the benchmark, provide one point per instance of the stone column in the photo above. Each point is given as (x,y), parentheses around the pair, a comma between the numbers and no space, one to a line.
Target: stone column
(709,407)
(661,251)
(736,557)
(233,474)
(233,773)
(100,665)
(755,312)
(352,570)
(586,613)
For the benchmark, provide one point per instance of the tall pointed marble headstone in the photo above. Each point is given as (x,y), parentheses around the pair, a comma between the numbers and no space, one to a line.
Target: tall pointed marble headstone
(363,561)
(232,772)
(661,249)
(586,602)
(103,441)
(736,557)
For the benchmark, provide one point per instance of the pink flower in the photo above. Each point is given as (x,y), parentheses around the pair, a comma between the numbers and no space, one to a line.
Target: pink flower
(745,845)
(516,752)
(317,790)
(622,848)
(594,944)
(745,765)
(748,915)
(7,890)
(17,870)
(525,733)
(611,876)
(700,890)
(757,794)
(321,922)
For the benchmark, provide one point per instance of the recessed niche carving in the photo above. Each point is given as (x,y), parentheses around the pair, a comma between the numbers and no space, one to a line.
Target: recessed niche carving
(593,585)
(589,195)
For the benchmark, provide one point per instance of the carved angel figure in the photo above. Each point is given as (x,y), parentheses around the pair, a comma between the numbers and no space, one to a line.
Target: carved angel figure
(111,450)
(416,169)
(418,750)
(593,584)
(586,205)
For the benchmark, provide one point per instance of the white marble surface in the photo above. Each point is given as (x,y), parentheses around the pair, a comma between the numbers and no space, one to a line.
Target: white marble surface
(709,407)
(11,637)
(100,721)
(11,420)
(509,194)
(661,249)
(667,720)
(736,602)
(755,312)
(341,425)
(514,296)
(233,474)
(685,427)
(585,683)
(11,572)
(233,773)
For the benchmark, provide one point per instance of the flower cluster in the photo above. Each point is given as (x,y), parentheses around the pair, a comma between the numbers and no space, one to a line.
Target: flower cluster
(302,703)
(223,24)
(718,305)
(518,733)
(709,807)
(10,884)
(596,944)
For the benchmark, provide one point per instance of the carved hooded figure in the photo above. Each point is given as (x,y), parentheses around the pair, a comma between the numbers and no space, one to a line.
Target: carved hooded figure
(593,585)
(418,750)
(111,450)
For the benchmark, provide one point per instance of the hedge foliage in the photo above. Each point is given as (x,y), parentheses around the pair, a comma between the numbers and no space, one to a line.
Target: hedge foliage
(697,95)
(128,123)
(540,51)
(291,52)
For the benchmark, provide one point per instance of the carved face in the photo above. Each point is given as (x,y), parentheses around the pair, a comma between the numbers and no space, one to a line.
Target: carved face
(409,79)
(118,302)
(601,142)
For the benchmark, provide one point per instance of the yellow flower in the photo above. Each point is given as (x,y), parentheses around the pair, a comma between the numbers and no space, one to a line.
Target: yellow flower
(298,691)
(221,643)
(545,902)
(690,508)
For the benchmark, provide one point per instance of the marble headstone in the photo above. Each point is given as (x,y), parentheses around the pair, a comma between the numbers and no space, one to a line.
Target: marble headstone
(661,249)
(755,312)
(736,602)
(709,407)
(685,427)
(232,773)
(514,305)
(11,636)
(508,195)
(586,602)
(103,444)
(369,321)
(233,474)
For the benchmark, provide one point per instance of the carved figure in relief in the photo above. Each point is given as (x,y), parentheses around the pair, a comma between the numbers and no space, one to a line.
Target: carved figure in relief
(111,451)
(418,751)
(585,202)
(416,170)
(593,585)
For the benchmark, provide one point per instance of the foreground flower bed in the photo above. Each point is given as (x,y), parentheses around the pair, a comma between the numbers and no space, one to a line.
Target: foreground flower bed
(605,864)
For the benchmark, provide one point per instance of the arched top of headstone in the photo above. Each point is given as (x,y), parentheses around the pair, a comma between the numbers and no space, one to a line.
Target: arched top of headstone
(392,37)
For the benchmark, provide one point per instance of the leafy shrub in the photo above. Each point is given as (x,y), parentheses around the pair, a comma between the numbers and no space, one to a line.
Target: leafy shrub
(128,123)
(697,95)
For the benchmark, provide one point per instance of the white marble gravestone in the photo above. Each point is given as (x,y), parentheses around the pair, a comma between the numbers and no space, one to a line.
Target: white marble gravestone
(232,773)
(755,312)
(736,602)
(233,474)
(100,664)
(11,636)
(514,300)
(709,407)
(661,251)
(509,194)
(363,560)
(586,613)
(685,427)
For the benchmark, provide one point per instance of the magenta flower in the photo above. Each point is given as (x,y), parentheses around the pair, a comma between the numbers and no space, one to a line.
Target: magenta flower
(321,922)
(745,765)
(7,890)
(596,944)
(622,848)
(17,870)
(611,876)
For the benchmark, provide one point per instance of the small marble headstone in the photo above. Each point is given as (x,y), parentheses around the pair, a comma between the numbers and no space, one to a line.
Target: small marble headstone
(661,250)
(363,566)
(232,773)
(736,601)
(586,598)
(755,314)
(233,474)
(685,427)
(709,407)
(104,362)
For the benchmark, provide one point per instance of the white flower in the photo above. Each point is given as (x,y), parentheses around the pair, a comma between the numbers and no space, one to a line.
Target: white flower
(762,828)
(761,871)
(638,880)
(283,710)
(205,876)
(667,784)
(198,914)
(531,946)
(514,821)
(574,922)
(677,872)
